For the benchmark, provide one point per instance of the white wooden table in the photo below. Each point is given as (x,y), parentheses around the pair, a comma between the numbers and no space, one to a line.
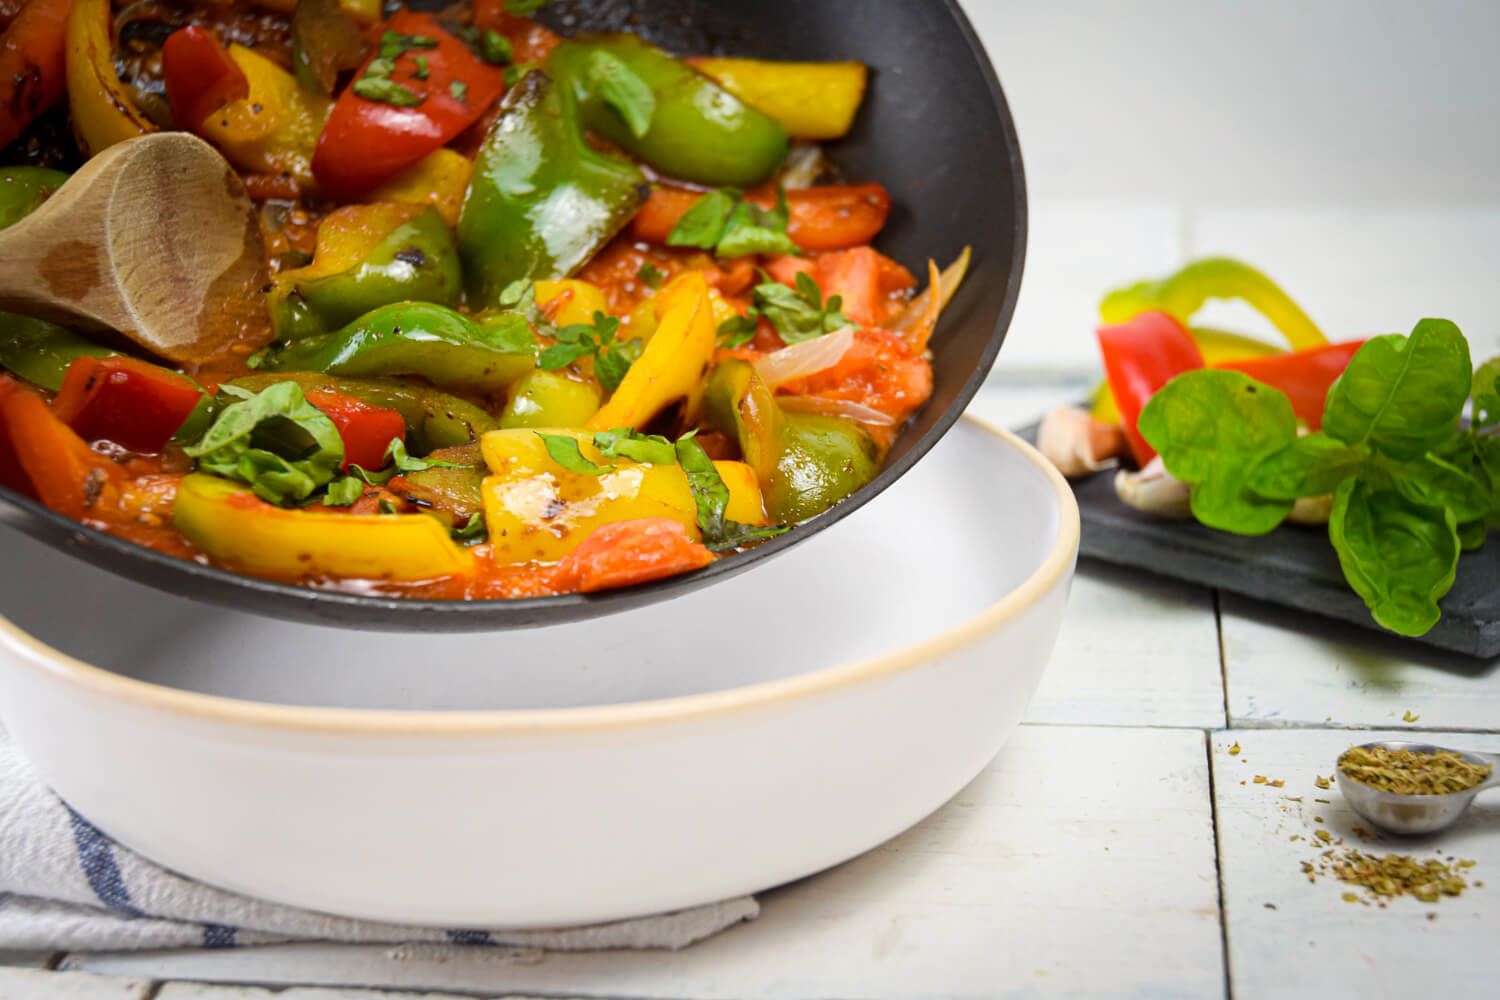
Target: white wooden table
(1115,847)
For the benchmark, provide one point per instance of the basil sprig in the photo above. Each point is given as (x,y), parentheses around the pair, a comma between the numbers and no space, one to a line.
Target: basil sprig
(612,357)
(1411,487)
(724,222)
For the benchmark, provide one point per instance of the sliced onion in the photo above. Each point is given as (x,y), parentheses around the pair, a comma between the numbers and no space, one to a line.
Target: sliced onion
(806,358)
(916,324)
(858,412)
(804,165)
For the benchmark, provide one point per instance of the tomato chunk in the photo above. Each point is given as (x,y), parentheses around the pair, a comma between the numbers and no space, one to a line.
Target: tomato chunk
(625,553)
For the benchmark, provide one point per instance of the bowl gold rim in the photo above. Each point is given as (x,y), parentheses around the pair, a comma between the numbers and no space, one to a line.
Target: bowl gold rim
(37,655)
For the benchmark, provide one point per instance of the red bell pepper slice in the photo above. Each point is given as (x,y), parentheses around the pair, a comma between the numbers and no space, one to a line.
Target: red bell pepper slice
(367,429)
(836,217)
(365,141)
(200,76)
(1305,376)
(33,74)
(12,474)
(626,553)
(133,403)
(1140,357)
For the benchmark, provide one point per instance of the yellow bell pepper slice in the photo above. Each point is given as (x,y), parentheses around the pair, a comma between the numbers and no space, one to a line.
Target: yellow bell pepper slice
(232,525)
(102,110)
(810,100)
(439,179)
(586,300)
(676,359)
(275,128)
(538,511)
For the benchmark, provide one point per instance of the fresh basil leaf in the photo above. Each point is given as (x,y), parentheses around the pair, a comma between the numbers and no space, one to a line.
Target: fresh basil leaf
(524,8)
(1402,395)
(703,225)
(384,90)
(396,454)
(381,66)
(621,88)
(495,48)
(472,530)
(275,441)
(377,478)
(1432,481)
(420,72)
(560,356)
(1311,466)
(650,275)
(1399,557)
(613,362)
(565,452)
(752,230)
(1486,390)
(519,295)
(623,442)
(343,492)
(737,331)
(1212,428)
(738,535)
(799,314)
(1471,535)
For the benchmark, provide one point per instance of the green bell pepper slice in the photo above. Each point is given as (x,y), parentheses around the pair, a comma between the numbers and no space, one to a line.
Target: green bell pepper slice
(806,462)
(434,419)
(697,131)
(541,200)
(40,352)
(22,189)
(416,261)
(440,344)
(549,399)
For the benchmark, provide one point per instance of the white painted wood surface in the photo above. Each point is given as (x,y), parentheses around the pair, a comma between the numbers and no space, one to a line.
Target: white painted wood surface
(1289,669)
(1313,943)
(1037,879)
(35,984)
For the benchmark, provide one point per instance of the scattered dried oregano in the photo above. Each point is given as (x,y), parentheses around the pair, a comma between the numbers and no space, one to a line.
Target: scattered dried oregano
(1411,772)
(1390,875)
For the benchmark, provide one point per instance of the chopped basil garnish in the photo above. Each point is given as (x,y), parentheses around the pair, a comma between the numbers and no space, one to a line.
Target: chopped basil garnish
(343,492)
(711,497)
(623,442)
(393,44)
(565,452)
(799,313)
(380,67)
(386,507)
(396,453)
(472,530)
(703,225)
(612,358)
(494,48)
(386,91)
(459,90)
(421,71)
(275,441)
(650,275)
(724,222)
(621,88)
(523,8)
(737,331)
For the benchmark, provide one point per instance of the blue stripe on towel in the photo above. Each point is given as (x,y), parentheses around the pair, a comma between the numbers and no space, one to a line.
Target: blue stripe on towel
(218,936)
(96,856)
(470,937)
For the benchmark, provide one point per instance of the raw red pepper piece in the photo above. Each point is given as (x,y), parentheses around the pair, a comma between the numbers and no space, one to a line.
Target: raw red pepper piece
(200,76)
(626,553)
(367,429)
(1305,376)
(365,142)
(1140,357)
(821,218)
(133,403)
(32,65)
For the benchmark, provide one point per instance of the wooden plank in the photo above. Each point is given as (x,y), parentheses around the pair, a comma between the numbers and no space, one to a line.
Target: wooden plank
(1134,650)
(37,984)
(26,959)
(1039,878)
(208,991)
(1289,938)
(1288,669)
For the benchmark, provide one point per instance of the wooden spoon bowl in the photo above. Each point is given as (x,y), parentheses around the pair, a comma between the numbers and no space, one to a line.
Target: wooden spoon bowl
(154,239)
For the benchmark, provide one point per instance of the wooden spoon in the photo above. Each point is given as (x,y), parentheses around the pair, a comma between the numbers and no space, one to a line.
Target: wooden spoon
(154,238)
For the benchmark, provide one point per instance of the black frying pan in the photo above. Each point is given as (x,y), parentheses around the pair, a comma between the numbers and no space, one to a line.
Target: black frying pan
(934,129)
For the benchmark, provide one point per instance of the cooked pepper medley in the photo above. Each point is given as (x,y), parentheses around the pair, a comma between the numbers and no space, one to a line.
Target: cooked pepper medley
(546,314)
(1367,437)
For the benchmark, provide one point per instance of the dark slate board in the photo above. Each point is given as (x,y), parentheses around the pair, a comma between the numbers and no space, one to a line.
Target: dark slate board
(1294,566)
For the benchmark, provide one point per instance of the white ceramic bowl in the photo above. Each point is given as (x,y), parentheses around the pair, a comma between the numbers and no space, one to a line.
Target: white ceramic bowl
(733,739)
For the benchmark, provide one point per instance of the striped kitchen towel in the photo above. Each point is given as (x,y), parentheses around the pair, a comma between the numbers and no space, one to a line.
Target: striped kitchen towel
(66,886)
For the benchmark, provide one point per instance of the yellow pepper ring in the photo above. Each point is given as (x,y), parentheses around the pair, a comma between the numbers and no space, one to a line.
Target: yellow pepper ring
(102,110)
